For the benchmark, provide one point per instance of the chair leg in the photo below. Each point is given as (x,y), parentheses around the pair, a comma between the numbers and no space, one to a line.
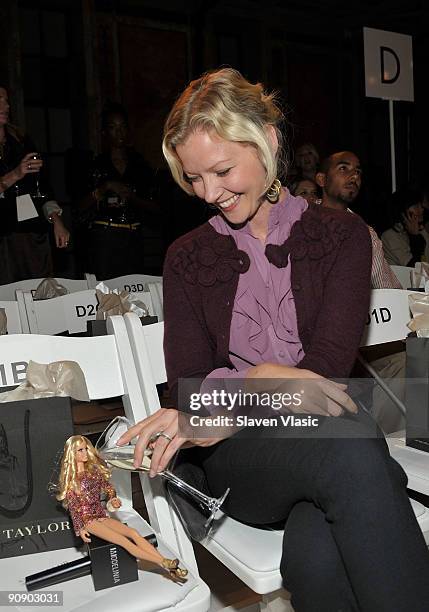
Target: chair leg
(278,601)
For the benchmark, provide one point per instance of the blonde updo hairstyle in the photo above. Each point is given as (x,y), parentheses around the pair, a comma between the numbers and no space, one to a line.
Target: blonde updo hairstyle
(238,111)
(68,470)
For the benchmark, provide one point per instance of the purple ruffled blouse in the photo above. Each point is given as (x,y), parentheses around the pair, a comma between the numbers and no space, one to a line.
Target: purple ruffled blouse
(263,326)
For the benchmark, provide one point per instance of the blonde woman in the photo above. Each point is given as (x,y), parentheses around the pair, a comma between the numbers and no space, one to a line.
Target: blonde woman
(276,288)
(83,478)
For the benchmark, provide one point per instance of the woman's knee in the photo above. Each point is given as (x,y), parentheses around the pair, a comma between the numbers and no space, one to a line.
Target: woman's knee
(352,463)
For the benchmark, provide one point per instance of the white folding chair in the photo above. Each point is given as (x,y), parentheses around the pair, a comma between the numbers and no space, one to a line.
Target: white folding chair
(250,553)
(387,321)
(133,283)
(108,366)
(403,274)
(7,292)
(155,290)
(13,316)
(66,313)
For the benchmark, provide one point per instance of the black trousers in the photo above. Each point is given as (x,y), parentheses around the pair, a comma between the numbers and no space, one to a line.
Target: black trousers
(351,540)
(25,255)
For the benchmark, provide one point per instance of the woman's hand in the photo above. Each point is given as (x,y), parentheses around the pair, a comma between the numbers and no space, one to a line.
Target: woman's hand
(165,420)
(318,394)
(61,233)
(84,534)
(28,165)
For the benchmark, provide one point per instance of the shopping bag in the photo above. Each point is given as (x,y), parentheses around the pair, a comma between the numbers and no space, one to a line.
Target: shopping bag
(32,436)
(417,393)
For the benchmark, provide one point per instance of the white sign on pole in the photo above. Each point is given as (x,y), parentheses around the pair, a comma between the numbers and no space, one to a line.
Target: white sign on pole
(388,65)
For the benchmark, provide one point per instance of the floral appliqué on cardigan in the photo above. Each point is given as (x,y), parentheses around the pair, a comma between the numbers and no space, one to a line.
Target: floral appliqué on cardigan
(202,264)
(205,265)
(85,505)
(312,238)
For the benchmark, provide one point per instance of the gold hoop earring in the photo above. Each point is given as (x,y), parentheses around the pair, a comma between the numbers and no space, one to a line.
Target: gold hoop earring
(273,193)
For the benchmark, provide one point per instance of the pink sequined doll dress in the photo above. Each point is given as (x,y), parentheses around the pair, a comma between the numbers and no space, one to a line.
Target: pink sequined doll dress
(85,505)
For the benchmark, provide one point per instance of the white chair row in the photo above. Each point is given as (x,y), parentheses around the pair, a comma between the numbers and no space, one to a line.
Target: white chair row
(109,368)
(22,315)
(8,292)
(67,313)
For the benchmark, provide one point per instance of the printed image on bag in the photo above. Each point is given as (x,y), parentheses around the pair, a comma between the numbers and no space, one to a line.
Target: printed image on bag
(32,436)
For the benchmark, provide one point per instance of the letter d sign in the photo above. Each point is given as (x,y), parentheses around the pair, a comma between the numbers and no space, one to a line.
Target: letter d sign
(388,65)
(388,76)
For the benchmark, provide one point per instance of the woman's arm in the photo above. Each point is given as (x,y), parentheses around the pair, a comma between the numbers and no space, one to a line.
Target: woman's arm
(188,349)
(61,233)
(340,323)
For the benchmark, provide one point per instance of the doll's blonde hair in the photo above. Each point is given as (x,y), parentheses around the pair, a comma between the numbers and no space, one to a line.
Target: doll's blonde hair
(68,469)
(238,111)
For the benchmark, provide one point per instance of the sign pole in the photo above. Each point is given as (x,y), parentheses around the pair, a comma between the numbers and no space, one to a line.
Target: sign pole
(392,145)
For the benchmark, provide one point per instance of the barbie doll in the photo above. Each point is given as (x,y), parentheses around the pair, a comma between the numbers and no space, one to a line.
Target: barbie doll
(83,477)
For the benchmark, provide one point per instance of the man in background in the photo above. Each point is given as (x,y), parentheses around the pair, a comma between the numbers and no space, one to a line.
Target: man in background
(340,178)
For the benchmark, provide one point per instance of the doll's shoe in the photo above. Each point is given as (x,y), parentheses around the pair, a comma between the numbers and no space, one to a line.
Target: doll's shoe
(172,566)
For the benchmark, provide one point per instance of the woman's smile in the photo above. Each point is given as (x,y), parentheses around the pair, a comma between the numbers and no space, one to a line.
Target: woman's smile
(226,174)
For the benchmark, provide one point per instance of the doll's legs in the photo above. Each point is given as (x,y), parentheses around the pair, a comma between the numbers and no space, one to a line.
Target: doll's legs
(135,536)
(115,532)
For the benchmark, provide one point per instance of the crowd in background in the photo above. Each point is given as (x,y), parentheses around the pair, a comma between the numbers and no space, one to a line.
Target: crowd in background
(120,206)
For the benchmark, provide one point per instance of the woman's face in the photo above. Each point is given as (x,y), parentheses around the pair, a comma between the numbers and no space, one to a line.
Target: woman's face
(306,158)
(116,130)
(4,107)
(228,175)
(81,453)
(308,191)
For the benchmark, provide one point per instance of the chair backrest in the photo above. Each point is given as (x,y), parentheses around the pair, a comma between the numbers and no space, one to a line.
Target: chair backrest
(7,292)
(106,361)
(67,313)
(403,274)
(13,316)
(388,316)
(132,283)
(147,346)
(155,290)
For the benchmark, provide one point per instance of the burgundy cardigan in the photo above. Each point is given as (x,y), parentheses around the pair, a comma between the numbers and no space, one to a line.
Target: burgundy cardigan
(330,255)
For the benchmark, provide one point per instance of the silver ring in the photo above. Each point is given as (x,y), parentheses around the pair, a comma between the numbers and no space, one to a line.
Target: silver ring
(161,434)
